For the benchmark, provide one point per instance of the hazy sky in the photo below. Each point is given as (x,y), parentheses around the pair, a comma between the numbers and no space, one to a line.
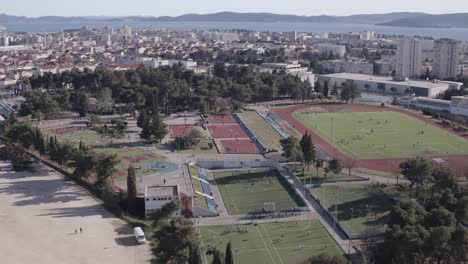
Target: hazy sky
(34,8)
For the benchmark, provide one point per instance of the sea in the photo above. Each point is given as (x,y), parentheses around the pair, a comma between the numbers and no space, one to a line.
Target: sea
(454,33)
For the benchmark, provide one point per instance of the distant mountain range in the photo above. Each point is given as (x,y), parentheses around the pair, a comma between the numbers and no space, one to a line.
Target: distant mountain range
(403,19)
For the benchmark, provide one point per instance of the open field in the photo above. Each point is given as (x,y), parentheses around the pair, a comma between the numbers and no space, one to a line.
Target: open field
(310,175)
(245,191)
(202,147)
(39,213)
(144,161)
(366,135)
(263,131)
(361,208)
(74,136)
(272,243)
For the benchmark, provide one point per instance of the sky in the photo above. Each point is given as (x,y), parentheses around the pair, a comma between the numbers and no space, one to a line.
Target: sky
(35,8)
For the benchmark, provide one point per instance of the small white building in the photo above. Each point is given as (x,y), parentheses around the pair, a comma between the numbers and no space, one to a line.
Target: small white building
(158,196)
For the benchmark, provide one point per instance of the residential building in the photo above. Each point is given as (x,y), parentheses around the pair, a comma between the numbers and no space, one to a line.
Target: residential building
(409,58)
(336,50)
(446,59)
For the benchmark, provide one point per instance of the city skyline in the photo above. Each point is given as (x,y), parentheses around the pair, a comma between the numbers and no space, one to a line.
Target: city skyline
(179,7)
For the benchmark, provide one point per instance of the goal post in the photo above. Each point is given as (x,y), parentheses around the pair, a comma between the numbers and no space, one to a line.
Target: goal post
(269,207)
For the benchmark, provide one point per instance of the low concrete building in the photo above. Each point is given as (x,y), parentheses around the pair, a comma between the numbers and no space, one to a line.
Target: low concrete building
(158,196)
(387,85)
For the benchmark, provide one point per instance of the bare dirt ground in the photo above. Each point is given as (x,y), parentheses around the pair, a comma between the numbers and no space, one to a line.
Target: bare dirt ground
(39,213)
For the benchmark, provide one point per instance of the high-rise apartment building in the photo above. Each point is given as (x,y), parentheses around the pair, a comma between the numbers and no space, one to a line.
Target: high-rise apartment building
(446,58)
(409,58)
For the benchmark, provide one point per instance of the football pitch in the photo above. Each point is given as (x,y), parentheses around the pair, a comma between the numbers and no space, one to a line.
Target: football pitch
(245,191)
(272,243)
(361,209)
(367,135)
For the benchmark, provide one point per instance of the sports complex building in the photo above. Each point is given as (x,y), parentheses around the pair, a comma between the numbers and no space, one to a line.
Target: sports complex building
(387,85)
(458,105)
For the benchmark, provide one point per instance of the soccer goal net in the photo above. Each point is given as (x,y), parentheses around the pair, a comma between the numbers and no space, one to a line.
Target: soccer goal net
(269,207)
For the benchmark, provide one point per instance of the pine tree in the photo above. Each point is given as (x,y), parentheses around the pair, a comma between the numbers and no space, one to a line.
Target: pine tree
(229,257)
(307,148)
(159,128)
(131,184)
(142,119)
(194,254)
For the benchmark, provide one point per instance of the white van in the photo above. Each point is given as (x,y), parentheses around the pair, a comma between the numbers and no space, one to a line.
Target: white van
(139,235)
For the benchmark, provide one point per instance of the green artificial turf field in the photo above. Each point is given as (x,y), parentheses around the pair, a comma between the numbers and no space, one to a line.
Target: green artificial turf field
(367,135)
(370,206)
(264,243)
(245,192)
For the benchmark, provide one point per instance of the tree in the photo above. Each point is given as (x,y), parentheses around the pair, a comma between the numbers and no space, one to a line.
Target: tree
(173,241)
(154,130)
(17,155)
(164,213)
(21,133)
(194,254)
(131,184)
(83,104)
(416,170)
(334,166)
(229,259)
(291,149)
(318,164)
(307,148)
(105,168)
(143,118)
(217,255)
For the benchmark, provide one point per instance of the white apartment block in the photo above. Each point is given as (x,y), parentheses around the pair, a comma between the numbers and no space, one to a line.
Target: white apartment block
(336,50)
(409,58)
(446,58)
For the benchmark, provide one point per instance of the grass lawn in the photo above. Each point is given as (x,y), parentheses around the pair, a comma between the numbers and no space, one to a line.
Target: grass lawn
(367,135)
(202,148)
(268,136)
(263,243)
(310,175)
(89,137)
(245,192)
(377,173)
(370,206)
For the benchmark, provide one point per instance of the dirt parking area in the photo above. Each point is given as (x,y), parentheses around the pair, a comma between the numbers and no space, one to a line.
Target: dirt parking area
(40,219)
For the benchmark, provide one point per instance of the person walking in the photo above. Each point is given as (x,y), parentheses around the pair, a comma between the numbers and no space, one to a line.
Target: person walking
(81,230)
